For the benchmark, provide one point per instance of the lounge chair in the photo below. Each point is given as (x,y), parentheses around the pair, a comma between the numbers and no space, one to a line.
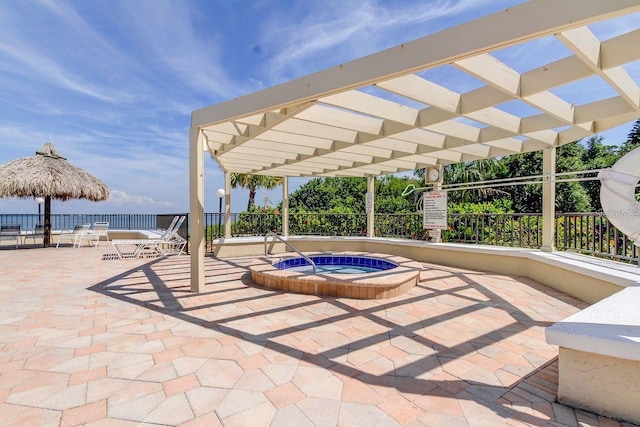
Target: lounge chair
(10,232)
(38,232)
(79,232)
(169,243)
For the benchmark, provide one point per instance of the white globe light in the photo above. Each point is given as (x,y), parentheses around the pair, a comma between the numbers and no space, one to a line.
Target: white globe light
(221,193)
(39,200)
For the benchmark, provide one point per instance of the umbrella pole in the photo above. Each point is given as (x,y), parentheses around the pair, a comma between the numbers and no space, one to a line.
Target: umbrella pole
(47,221)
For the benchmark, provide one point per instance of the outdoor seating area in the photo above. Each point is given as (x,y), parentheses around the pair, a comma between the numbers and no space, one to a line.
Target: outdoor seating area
(462,347)
(169,242)
(84,233)
(80,235)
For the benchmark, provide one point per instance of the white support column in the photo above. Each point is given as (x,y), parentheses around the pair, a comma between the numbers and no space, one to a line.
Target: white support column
(548,198)
(285,206)
(371,214)
(227,205)
(196,206)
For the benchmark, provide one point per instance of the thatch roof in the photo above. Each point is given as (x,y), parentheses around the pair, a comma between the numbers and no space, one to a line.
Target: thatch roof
(48,174)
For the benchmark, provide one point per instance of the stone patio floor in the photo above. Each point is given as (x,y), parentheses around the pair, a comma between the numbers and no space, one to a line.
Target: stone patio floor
(87,341)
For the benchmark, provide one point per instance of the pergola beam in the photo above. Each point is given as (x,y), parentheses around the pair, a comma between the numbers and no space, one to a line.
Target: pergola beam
(588,48)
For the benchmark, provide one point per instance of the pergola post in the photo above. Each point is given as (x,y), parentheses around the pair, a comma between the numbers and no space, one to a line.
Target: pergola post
(196,203)
(548,198)
(227,205)
(285,206)
(370,203)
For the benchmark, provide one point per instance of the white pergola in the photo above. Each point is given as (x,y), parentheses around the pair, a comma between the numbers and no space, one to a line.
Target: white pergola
(392,111)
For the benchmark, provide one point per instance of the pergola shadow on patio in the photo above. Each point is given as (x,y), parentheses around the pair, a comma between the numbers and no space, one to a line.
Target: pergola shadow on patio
(127,340)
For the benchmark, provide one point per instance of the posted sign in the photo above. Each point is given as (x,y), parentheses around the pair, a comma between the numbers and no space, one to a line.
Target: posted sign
(435,210)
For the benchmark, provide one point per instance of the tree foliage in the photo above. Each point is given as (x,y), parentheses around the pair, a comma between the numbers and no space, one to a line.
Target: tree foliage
(633,139)
(474,172)
(597,155)
(347,195)
(252,183)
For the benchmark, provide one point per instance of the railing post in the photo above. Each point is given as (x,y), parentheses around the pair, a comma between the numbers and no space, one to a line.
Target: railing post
(548,197)
(370,206)
(285,206)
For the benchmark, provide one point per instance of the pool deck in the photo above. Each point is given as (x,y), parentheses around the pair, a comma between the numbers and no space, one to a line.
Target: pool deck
(90,340)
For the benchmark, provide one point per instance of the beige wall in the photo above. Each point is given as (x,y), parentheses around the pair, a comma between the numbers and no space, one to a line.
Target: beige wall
(600,384)
(583,286)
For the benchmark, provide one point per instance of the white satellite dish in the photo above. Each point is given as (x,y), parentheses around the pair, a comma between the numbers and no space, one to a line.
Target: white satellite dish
(617,194)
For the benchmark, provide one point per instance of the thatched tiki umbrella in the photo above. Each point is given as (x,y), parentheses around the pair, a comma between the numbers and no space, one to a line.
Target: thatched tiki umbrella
(49,175)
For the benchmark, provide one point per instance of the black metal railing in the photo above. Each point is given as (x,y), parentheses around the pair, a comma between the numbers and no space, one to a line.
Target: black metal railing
(588,233)
(403,226)
(68,221)
(593,234)
(516,230)
(329,224)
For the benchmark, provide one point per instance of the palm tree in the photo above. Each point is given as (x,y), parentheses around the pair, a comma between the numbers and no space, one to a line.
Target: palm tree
(633,139)
(471,172)
(253,182)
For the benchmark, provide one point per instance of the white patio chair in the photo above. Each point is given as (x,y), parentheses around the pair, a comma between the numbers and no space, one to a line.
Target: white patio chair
(37,233)
(173,243)
(75,236)
(10,232)
(99,229)
(169,243)
(171,226)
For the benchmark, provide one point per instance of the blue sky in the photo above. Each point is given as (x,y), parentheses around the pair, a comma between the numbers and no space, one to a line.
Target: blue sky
(112,84)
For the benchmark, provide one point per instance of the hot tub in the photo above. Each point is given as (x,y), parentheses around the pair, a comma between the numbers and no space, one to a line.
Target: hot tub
(337,264)
(347,275)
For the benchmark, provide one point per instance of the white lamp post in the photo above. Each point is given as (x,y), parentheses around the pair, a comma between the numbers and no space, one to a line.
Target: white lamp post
(39,201)
(221,195)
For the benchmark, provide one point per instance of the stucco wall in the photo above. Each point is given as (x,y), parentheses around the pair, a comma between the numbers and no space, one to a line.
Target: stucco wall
(601,384)
(580,285)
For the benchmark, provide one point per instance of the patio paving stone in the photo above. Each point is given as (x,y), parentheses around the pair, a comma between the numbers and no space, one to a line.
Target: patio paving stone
(82,415)
(84,341)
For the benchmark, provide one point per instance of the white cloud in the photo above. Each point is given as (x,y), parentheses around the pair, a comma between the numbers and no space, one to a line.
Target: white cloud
(34,62)
(123,198)
(193,58)
(338,31)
